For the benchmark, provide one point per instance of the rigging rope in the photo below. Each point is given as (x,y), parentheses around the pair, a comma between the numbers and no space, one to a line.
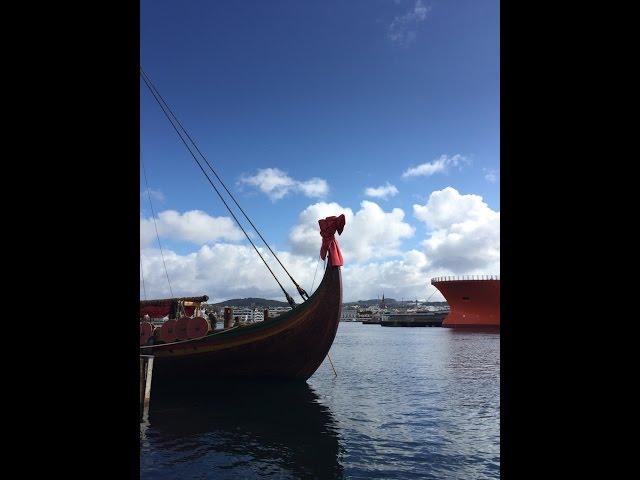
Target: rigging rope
(434,292)
(146,77)
(314,275)
(288,297)
(153,215)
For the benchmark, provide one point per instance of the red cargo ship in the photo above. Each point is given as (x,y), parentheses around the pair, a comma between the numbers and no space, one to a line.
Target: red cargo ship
(474,300)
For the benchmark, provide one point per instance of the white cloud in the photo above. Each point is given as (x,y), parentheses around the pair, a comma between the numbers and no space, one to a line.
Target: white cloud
(224,271)
(369,233)
(403,28)
(382,191)
(156,195)
(466,232)
(194,226)
(491,176)
(441,164)
(404,277)
(463,238)
(316,187)
(276,184)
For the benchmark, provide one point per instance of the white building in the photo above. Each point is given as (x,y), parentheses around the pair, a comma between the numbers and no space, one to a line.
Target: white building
(256,314)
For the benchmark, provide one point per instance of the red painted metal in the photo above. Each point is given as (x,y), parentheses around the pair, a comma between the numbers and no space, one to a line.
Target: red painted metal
(473,302)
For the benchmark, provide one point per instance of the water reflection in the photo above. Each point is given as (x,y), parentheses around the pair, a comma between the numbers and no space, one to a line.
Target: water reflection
(407,404)
(241,429)
(475,329)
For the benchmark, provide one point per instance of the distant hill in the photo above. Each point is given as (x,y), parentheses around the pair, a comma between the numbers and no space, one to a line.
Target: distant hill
(373,301)
(263,302)
(391,302)
(247,302)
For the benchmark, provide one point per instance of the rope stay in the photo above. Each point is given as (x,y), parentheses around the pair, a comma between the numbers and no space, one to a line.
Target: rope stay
(153,216)
(434,292)
(314,275)
(288,297)
(301,290)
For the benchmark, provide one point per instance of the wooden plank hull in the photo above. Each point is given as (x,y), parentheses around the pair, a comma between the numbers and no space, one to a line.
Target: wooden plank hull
(291,346)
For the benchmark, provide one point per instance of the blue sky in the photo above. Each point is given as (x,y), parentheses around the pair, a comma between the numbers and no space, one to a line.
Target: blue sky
(354,93)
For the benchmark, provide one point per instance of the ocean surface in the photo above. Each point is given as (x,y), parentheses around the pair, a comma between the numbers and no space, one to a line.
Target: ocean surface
(407,403)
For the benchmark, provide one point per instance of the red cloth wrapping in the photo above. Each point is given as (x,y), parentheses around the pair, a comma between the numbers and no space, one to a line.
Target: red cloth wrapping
(154,311)
(328,227)
(159,311)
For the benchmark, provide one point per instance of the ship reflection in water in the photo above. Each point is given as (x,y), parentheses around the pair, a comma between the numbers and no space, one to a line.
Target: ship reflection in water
(241,430)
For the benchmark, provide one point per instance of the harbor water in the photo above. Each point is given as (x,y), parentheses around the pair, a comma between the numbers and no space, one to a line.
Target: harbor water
(407,403)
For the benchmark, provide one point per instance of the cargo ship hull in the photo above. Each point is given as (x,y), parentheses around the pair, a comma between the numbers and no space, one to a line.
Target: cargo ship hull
(474,301)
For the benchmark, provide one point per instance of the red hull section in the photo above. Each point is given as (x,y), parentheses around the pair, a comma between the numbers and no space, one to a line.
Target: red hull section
(474,301)
(291,346)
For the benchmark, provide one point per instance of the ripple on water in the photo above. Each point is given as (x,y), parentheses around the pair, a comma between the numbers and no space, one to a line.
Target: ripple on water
(407,403)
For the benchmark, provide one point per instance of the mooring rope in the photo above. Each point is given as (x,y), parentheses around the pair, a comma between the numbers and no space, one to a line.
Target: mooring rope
(288,297)
(153,216)
(146,77)
(334,368)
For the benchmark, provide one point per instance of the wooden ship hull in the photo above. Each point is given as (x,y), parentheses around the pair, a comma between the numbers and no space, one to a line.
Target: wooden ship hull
(290,346)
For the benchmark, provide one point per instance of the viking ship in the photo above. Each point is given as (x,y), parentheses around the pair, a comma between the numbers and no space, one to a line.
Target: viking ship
(187,347)
(289,346)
